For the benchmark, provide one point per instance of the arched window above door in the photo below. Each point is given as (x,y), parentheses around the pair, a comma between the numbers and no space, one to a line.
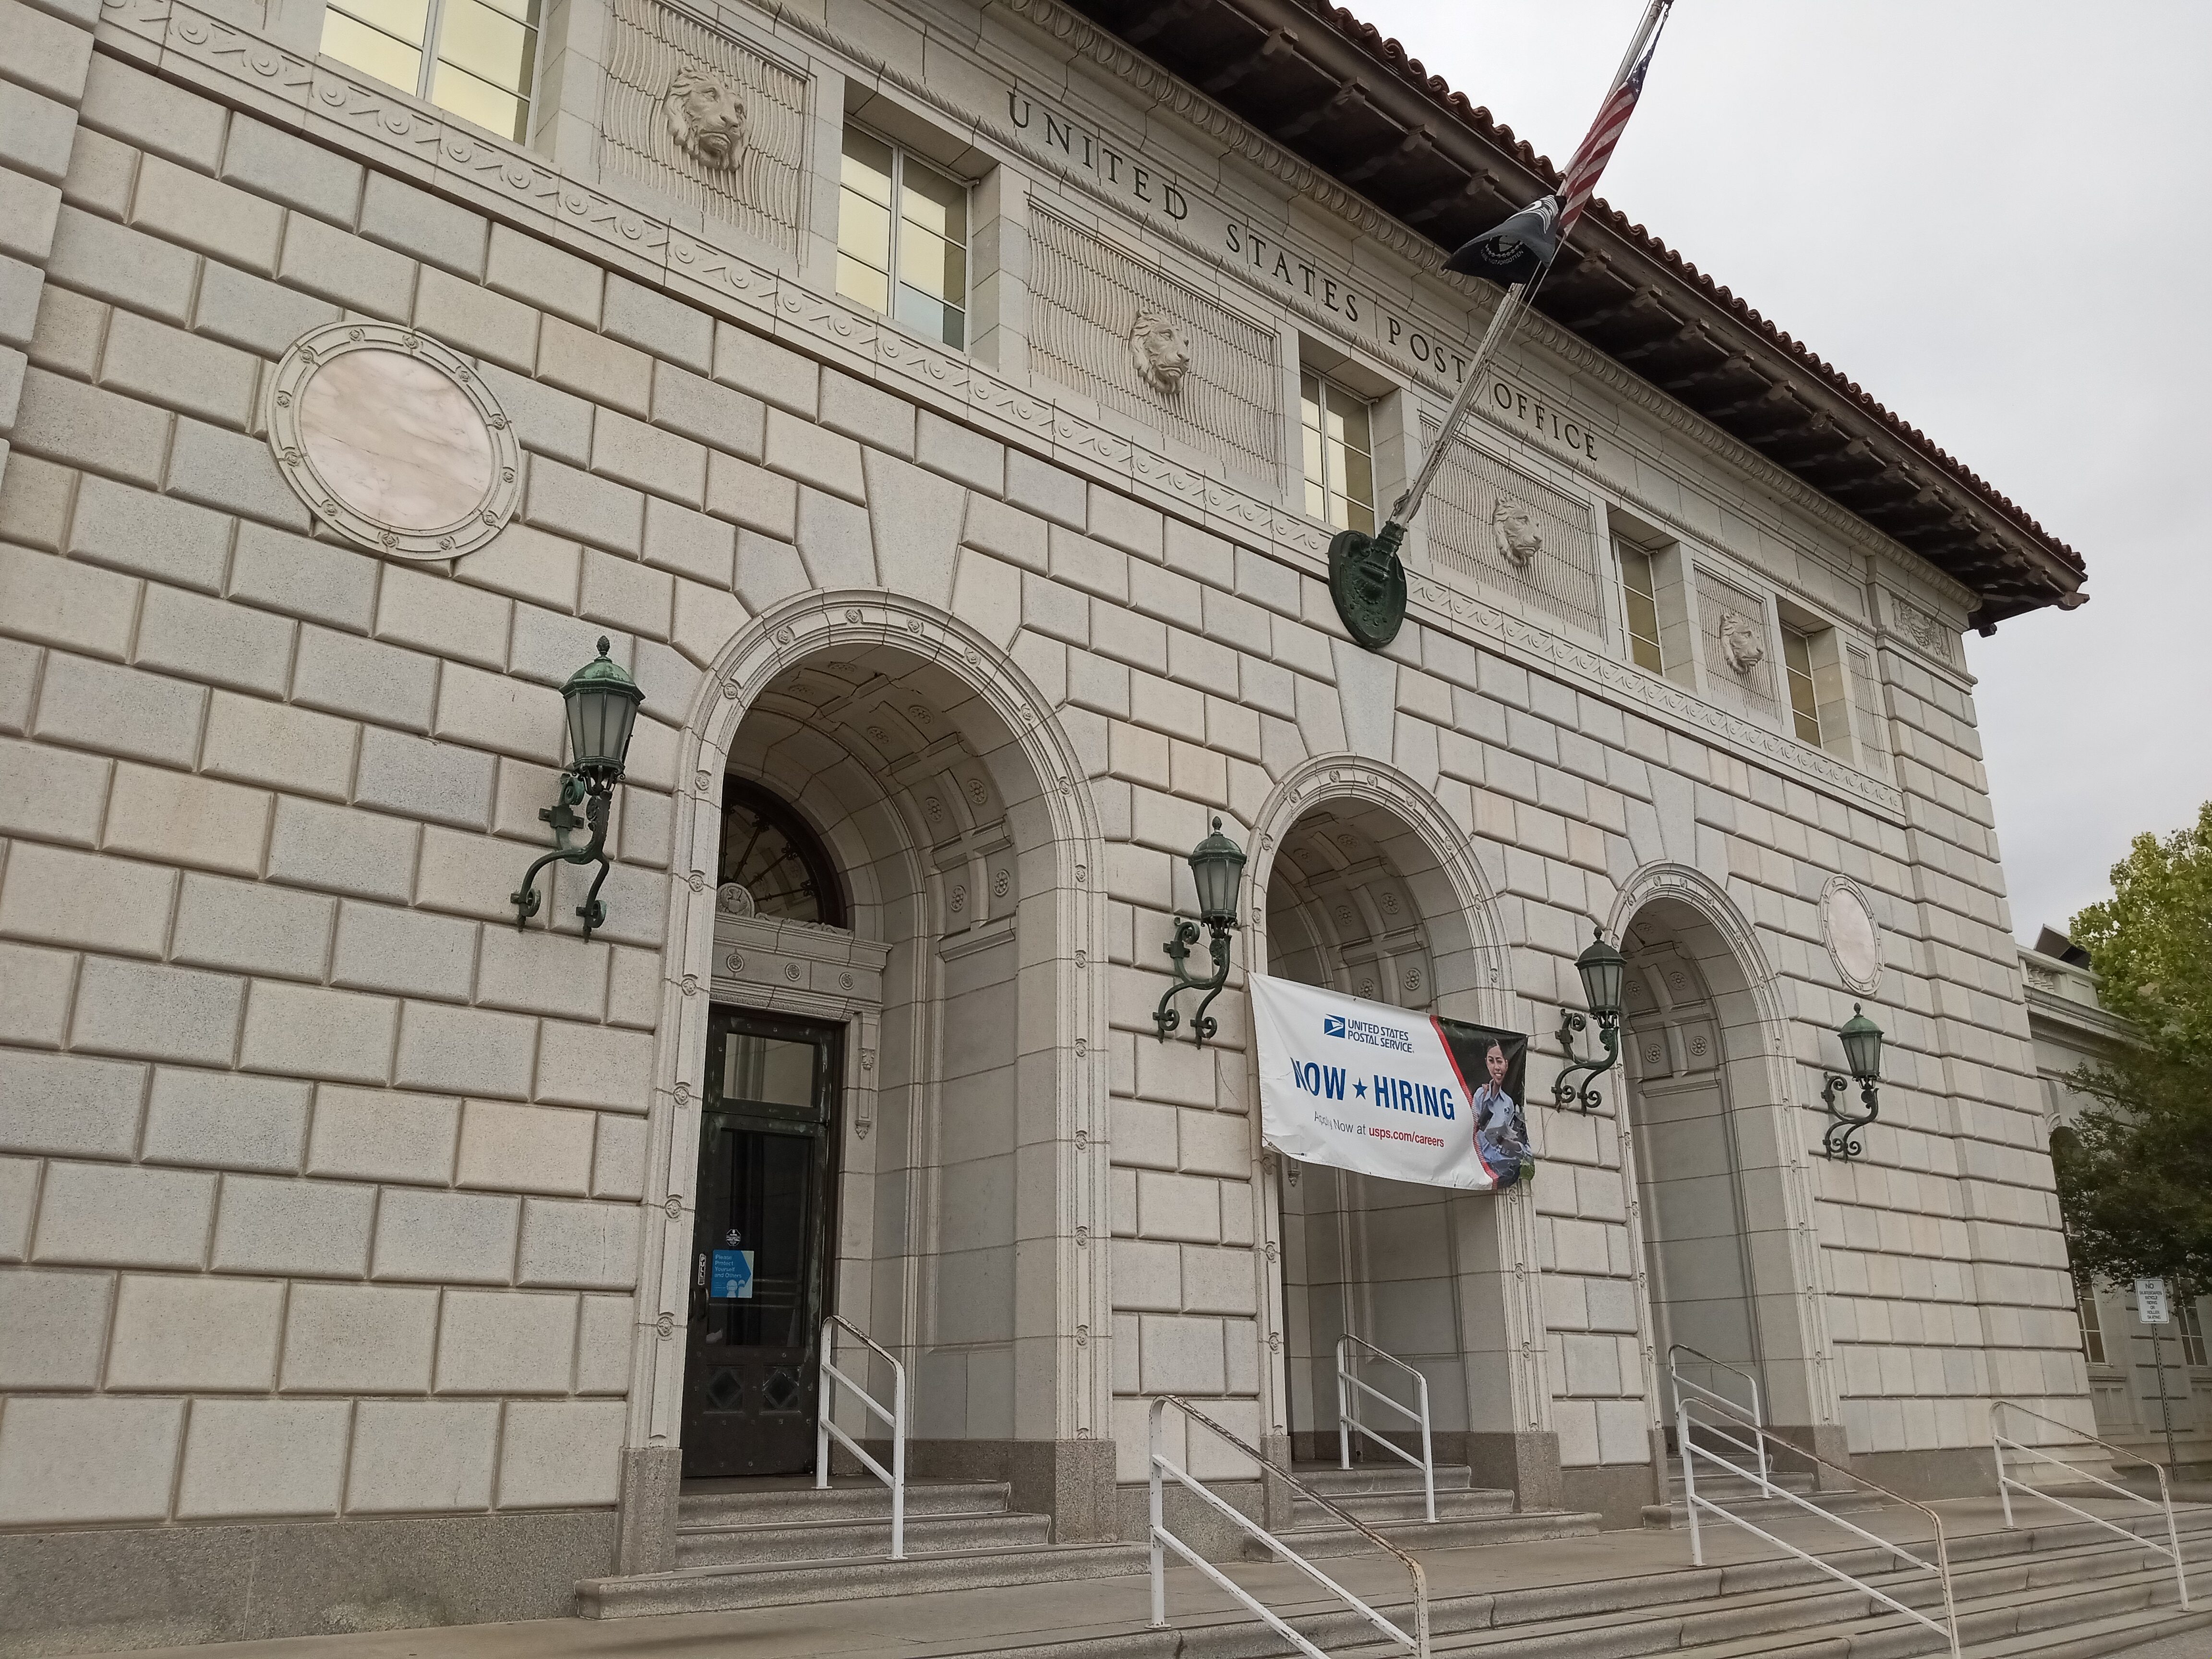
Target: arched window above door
(773,860)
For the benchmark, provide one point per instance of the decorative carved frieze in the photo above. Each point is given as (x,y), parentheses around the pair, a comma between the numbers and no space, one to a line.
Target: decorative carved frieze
(1121,331)
(1924,630)
(704,120)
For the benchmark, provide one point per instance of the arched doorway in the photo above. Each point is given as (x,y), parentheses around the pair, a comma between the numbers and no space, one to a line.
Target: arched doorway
(901,778)
(1720,1195)
(1364,886)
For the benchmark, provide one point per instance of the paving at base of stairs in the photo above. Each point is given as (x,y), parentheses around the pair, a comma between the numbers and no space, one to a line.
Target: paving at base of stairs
(1577,1595)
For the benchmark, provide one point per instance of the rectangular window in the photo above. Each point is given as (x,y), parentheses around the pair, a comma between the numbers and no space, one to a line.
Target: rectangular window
(2092,1329)
(1339,450)
(903,238)
(1639,599)
(474,58)
(1797,666)
(2192,1330)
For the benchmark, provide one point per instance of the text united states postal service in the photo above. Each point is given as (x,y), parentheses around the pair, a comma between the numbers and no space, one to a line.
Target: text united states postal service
(1364,1086)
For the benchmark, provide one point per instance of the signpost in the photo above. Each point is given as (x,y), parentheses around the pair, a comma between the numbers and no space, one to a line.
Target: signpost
(2152,1309)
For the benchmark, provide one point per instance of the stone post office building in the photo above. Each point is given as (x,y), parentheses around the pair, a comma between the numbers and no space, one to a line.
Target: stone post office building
(943,411)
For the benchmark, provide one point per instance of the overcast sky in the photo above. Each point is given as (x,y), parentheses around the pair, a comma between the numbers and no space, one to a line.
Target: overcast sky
(1991,213)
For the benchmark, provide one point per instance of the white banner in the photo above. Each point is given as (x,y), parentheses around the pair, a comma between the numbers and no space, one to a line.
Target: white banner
(1361,1085)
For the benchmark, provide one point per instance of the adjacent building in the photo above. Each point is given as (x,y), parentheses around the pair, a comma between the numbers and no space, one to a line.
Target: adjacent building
(2143,1380)
(941,411)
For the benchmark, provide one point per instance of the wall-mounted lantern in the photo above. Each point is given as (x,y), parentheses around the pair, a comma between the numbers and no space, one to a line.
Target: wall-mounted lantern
(1217,868)
(603,703)
(1601,968)
(1861,1040)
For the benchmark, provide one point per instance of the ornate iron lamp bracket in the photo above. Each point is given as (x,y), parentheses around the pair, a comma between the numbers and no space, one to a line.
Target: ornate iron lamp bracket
(1565,1091)
(594,793)
(1166,1016)
(1842,1138)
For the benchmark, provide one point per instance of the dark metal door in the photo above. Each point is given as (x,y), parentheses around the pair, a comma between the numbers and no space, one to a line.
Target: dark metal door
(760,1245)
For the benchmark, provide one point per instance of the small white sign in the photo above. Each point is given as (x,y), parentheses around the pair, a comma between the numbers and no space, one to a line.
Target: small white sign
(2150,1301)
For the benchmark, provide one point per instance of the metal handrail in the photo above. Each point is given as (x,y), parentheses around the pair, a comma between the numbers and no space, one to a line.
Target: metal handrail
(1941,1566)
(1998,1442)
(893,1477)
(1161,1540)
(1347,1414)
(1758,1415)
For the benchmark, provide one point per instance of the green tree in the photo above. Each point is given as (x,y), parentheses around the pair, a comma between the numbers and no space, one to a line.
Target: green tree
(2134,1172)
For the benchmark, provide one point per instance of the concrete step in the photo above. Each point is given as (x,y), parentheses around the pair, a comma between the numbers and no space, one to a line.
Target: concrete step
(1363,1478)
(1743,1500)
(842,1541)
(724,1589)
(1328,1537)
(736,1504)
(1478,1505)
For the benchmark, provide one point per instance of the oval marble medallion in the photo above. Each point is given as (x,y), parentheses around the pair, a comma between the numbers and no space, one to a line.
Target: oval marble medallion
(393,440)
(1854,941)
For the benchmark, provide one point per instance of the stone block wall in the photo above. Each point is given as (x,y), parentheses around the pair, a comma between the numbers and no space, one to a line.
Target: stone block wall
(304,1145)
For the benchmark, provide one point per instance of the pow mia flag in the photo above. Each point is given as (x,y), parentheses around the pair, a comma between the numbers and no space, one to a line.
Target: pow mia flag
(1514,251)
(1524,245)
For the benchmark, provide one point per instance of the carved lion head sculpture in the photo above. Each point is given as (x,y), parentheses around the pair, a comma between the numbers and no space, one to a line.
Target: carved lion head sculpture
(706,113)
(1518,539)
(1740,643)
(1160,351)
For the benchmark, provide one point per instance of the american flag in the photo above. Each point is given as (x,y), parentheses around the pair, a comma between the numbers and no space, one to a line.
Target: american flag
(1581,175)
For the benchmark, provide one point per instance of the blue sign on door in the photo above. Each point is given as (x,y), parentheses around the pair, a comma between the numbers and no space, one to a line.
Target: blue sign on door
(731,1277)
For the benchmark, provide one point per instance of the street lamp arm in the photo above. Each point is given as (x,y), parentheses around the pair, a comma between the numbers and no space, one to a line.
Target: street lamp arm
(1166,1016)
(594,793)
(1582,1096)
(1842,1137)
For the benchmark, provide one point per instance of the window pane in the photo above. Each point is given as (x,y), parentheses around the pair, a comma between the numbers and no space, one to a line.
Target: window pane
(1316,499)
(1635,570)
(1353,423)
(932,264)
(934,201)
(863,284)
(488,44)
(1797,651)
(489,107)
(1359,475)
(929,313)
(1309,400)
(864,230)
(371,52)
(867,166)
(523,11)
(1797,664)
(1642,618)
(1360,516)
(402,20)
(1315,474)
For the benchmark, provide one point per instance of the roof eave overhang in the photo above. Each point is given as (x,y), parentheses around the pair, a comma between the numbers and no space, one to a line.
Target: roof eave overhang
(1329,89)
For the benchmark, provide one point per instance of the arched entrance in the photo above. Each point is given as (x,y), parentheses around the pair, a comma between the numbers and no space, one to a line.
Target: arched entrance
(1721,1200)
(1363,885)
(956,842)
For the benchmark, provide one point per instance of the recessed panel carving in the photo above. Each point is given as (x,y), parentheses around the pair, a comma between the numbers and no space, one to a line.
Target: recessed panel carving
(704,120)
(1853,937)
(1126,334)
(1514,534)
(392,441)
(1739,671)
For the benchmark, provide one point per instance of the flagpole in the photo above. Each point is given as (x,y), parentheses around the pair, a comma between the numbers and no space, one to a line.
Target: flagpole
(1502,323)
(1366,578)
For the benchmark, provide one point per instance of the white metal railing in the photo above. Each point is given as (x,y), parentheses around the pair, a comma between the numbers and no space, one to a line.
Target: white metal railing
(1758,1416)
(2000,1442)
(1349,1387)
(893,1477)
(1948,1629)
(1161,1540)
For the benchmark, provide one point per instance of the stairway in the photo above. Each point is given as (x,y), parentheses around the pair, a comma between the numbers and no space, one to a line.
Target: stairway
(772,1542)
(1387,1497)
(1743,1497)
(2059,1592)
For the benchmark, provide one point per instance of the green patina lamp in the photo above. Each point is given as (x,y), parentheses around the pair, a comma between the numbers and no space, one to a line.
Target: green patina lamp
(1217,870)
(603,702)
(1602,968)
(1862,1041)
